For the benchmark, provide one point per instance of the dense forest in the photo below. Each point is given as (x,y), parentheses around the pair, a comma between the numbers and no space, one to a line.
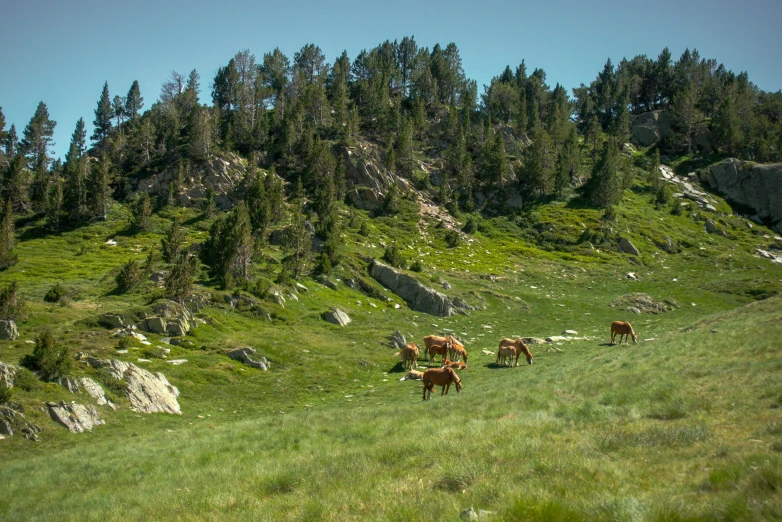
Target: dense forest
(519,136)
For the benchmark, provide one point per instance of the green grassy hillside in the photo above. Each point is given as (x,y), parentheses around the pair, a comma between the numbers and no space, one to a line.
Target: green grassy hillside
(683,425)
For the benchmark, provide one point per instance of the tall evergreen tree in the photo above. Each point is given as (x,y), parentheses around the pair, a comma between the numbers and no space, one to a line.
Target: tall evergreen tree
(605,187)
(54,209)
(38,138)
(172,244)
(103,115)
(11,142)
(540,161)
(568,162)
(79,138)
(99,191)
(134,102)
(7,242)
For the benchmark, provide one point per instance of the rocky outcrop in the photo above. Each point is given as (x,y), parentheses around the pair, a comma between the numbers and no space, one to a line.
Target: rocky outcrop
(418,296)
(366,176)
(650,127)
(95,391)
(7,374)
(639,303)
(750,185)
(169,318)
(8,331)
(111,321)
(147,392)
(398,339)
(12,422)
(76,417)
(223,173)
(628,247)
(243,355)
(336,316)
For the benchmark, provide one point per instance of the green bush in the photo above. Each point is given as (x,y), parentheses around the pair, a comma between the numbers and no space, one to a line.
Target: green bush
(55,294)
(11,304)
(47,359)
(26,380)
(124,343)
(417,266)
(129,276)
(452,238)
(471,226)
(393,256)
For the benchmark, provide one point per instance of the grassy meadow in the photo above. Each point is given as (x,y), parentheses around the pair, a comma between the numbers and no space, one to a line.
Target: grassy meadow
(684,425)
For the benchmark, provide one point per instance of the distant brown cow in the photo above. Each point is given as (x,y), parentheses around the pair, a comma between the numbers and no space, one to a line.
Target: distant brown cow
(623,329)
(520,348)
(442,377)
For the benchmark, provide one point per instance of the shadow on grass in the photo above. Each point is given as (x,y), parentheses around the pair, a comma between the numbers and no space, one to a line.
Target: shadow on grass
(497,366)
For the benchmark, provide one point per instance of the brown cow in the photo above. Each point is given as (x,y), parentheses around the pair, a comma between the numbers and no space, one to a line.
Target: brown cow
(457,351)
(409,356)
(520,348)
(442,377)
(438,349)
(623,329)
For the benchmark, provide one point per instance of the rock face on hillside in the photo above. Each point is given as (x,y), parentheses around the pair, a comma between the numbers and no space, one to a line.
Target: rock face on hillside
(169,317)
(147,392)
(7,374)
(223,173)
(336,316)
(650,127)
(76,417)
(366,175)
(418,296)
(751,185)
(13,422)
(243,355)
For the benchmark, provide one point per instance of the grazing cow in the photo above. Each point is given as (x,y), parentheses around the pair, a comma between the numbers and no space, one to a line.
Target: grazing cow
(442,377)
(520,348)
(506,355)
(409,356)
(413,375)
(623,329)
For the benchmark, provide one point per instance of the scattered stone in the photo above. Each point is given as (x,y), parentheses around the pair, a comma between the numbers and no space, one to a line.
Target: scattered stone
(325,281)
(570,332)
(147,392)
(399,340)
(631,275)
(122,351)
(177,362)
(471,514)
(710,226)
(336,316)
(141,359)
(299,286)
(446,284)
(243,355)
(628,247)
(350,283)
(768,255)
(462,305)
(75,417)
(158,277)
(111,242)
(70,384)
(556,339)
(156,325)
(634,309)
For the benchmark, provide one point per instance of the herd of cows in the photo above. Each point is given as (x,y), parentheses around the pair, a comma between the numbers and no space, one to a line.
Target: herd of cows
(454,357)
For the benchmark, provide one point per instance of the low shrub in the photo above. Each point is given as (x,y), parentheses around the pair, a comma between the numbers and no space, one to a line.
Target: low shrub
(129,276)
(47,359)
(55,294)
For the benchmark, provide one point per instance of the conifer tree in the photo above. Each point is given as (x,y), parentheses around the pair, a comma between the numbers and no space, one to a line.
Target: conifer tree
(79,138)
(133,102)
(208,206)
(568,162)
(605,186)
(298,246)
(118,110)
(15,182)
(179,279)
(98,193)
(538,171)
(103,115)
(258,205)
(141,210)
(38,138)
(496,161)
(171,245)
(75,189)
(11,142)
(54,208)
(7,242)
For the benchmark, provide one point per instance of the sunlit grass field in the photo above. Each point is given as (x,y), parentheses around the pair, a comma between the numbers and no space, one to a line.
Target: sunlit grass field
(684,425)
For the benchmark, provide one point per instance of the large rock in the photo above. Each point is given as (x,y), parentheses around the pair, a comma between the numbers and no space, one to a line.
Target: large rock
(147,392)
(95,391)
(650,127)
(243,355)
(399,340)
(418,296)
(366,175)
(111,321)
(628,247)
(7,374)
(156,325)
(8,331)
(758,187)
(337,316)
(75,417)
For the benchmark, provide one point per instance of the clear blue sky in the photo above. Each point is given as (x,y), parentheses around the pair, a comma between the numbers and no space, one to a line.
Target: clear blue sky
(60,52)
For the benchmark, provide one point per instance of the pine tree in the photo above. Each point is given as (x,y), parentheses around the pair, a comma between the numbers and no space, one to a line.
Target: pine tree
(38,138)
(208,206)
(592,136)
(141,210)
(258,205)
(54,209)
(568,162)
(118,110)
(11,142)
(686,114)
(75,189)
(496,161)
(15,182)
(538,171)
(98,193)
(79,138)
(133,102)
(179,279)
(605,185)
(171,245)
(103,115)
(7,242)
(298,246)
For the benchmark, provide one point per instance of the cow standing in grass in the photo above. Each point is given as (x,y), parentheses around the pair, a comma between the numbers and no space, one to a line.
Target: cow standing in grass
(442,377)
